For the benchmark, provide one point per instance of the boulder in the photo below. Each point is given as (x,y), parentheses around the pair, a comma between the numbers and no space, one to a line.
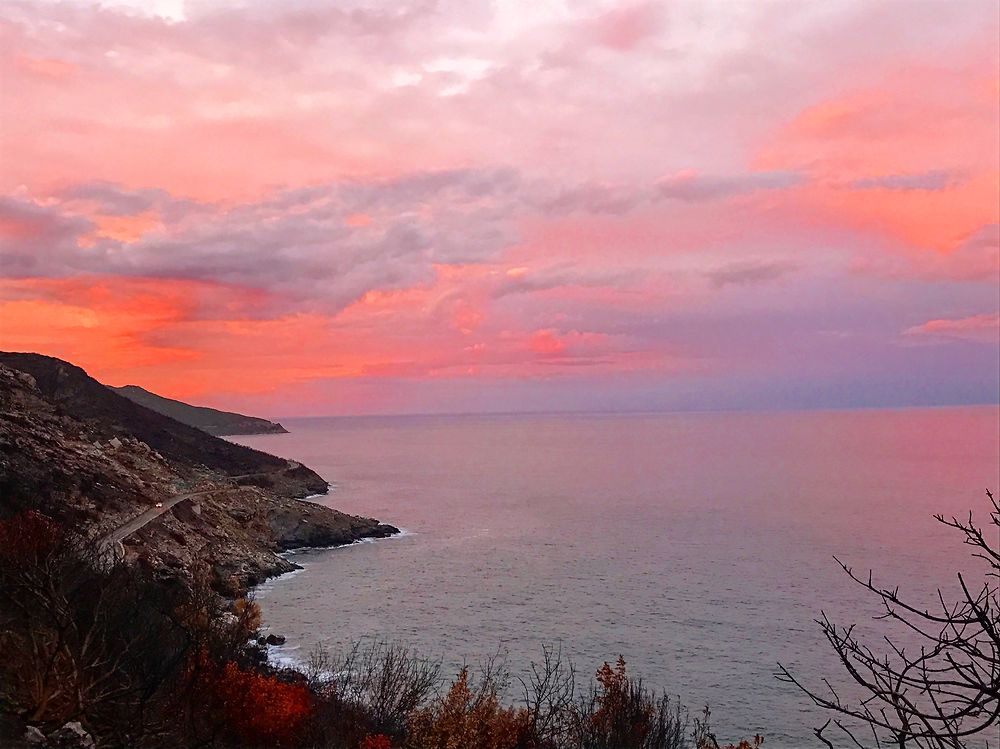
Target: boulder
(71,736)
(33,736)
(240,514)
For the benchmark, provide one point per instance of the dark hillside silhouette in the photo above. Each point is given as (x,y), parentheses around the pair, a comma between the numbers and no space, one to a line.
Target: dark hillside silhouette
(209,420)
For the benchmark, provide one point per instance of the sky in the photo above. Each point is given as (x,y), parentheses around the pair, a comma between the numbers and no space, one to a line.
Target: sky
(313,207)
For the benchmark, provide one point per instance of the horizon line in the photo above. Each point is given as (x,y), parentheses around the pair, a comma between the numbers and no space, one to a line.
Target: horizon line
(643,412)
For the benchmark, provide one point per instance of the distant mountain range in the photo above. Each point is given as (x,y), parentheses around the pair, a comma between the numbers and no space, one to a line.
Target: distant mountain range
(208,420)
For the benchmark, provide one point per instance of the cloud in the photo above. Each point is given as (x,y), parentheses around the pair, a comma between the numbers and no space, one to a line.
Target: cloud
(692,187)
(419,189)
(625,27)
(976,258)
(318,247)
(304,246)
(562,275)
(594,199)
(546,343)
(930,149)
(983,328)
(111,199)
(37,240)
(937,179)
(749,272)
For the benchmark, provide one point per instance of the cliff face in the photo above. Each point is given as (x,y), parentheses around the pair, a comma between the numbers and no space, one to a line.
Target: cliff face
(208,420)
(93,460)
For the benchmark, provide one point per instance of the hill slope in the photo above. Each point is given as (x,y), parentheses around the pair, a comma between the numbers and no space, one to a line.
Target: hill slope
(207,419)
(110,414)
(95,461)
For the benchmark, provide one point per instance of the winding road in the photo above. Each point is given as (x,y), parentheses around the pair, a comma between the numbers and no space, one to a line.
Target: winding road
(111,542)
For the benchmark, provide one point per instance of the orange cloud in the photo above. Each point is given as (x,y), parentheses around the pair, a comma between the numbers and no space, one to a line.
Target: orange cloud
(126,229)
(103,324)
(866,150)
(546,343)
(983,328)
(46,67)
(358,220)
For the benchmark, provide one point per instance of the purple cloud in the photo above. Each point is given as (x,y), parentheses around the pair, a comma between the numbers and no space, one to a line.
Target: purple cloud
(38,240)
(300,244)
(932,180)
(749,272)
(593,199)
(692,187)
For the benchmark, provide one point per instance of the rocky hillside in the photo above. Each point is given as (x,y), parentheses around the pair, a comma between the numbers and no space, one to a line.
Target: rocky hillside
(94,460)
(208,420)
(108,414)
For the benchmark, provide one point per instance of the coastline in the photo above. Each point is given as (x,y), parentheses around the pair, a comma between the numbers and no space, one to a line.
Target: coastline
(277,654)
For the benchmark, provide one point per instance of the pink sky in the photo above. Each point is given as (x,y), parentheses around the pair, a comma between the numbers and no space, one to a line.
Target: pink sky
(315,208)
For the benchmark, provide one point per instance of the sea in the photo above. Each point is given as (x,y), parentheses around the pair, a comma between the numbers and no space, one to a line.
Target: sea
(700,547)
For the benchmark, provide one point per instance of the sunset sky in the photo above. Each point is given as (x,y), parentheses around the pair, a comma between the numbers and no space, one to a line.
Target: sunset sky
(296,208)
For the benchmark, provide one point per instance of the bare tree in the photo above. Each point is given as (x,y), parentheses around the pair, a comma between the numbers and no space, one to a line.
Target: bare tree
(387,681)
(549,696)
(941,693)
(81,640)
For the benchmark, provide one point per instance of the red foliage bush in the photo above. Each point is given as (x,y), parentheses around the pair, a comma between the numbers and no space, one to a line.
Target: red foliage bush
(253,708)
(261,709)
(376,741)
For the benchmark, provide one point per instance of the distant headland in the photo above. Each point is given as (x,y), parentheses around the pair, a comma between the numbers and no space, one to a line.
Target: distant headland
(211,420)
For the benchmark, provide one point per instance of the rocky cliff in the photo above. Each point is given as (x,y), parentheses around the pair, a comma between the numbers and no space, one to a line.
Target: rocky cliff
(94,460)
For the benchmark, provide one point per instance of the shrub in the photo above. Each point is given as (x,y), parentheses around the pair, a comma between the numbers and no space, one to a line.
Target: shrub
(81,640)
(111,646)
(259,709)
(27,538)
(376,741)
(369,688)
(467,717)
(619,712)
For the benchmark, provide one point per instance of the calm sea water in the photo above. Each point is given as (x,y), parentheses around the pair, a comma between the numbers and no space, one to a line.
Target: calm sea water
(698,546)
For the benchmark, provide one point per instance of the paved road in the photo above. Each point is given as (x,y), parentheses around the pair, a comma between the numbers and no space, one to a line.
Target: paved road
(122,532)
(111,542)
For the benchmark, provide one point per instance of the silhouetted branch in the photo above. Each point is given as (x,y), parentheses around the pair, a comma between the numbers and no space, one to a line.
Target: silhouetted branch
(943,693)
